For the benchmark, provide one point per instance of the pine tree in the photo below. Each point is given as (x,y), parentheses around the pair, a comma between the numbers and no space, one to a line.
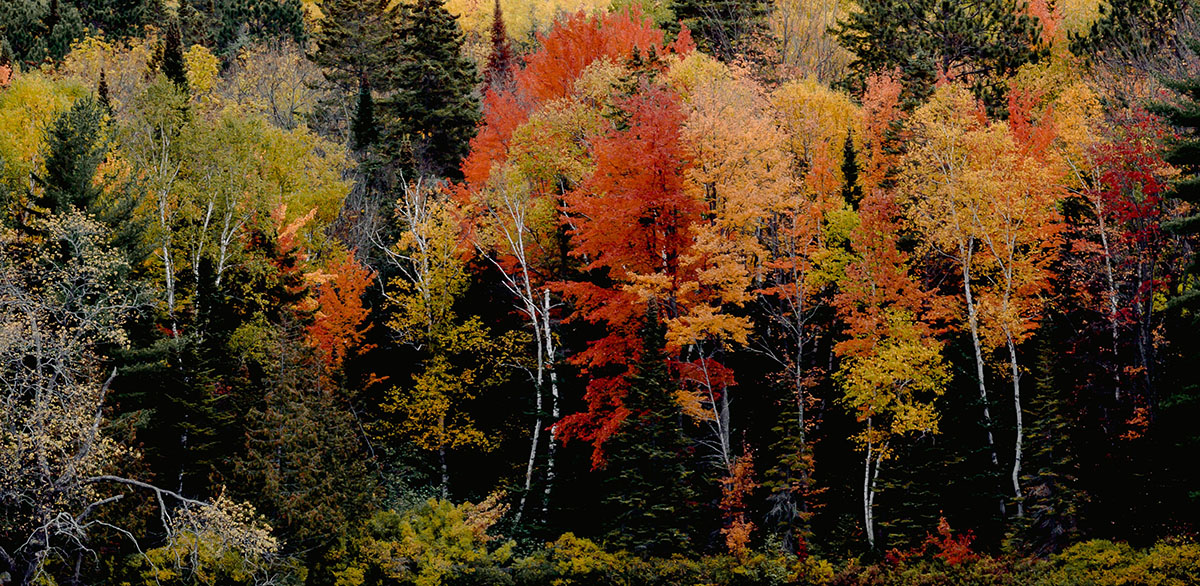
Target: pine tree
(1184,113)
(1129,31)
(723,27)
(979,41)
(851,190)
(498,73)
(102,93)
(432,108)
(351,42)
(363,130)
(173,65)
(650,492)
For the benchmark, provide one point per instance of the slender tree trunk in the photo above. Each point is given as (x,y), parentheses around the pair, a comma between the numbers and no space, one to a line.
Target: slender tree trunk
(554,414)
(973,324)
(1016,469)
(1112,298)
(445,473)
(866,497)
(538,423)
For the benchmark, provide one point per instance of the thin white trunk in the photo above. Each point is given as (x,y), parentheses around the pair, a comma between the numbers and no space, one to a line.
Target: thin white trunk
(1016,469)
(554,414)
(1112,296)
(866,497)
(973,324)
(539,380)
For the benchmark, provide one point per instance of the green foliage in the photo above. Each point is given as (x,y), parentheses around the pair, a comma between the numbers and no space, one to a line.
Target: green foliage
(432,109)
(977,41)
(36,31)
(1104,563)
(173,66)
(571,561)
(431,545)
(363,130)
(651,498)
(228,26)
(1130,31)
(723,28)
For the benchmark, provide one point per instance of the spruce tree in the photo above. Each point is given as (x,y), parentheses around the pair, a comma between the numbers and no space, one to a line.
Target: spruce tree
(431,112)
(851,190)
(650,495)
(351,42)
(498,73)
(1179,404)
(363,130)
(102,93)
(173,65)
(980,41)
(76,145)
(1184,113)
(723,27)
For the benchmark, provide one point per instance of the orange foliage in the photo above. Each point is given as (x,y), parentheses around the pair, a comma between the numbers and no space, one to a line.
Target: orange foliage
(881,110)
(338,326)
(632,221)
(950,549)
(735,489)
(576,42)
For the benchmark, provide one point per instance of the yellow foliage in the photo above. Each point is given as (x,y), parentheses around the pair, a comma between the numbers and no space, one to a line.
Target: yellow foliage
(202,71)
(124,64)
(27,108)
(818,119)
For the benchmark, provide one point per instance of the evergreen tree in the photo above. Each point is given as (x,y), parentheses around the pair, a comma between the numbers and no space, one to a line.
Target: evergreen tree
(304,465)
(102,93)
(851,190)
(1179,405)
(173,65)
(431,111)
(650,493)
(723,27)
(979,41)
(1184,113)
(226,26)
(351,41)
(1129,31)
(363,130)
(120,18)
(498,73)
(75,146)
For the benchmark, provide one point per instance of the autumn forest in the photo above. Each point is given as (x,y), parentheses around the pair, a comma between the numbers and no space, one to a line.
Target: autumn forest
(628,292)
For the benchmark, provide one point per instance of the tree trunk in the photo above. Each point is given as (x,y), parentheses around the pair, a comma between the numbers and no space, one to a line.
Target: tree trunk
(445,473)
(1016,469)
(554,414)
(973,323)
(868,524)
(538,423)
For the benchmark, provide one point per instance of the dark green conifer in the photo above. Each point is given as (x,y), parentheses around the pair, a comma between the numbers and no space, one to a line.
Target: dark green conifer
(498,73)
(351,42)
(432,104)
(1184,113)
(650,492)
(102,93)
(851,190)
(173,65)
(363,130)
(980,41)
(723,28)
